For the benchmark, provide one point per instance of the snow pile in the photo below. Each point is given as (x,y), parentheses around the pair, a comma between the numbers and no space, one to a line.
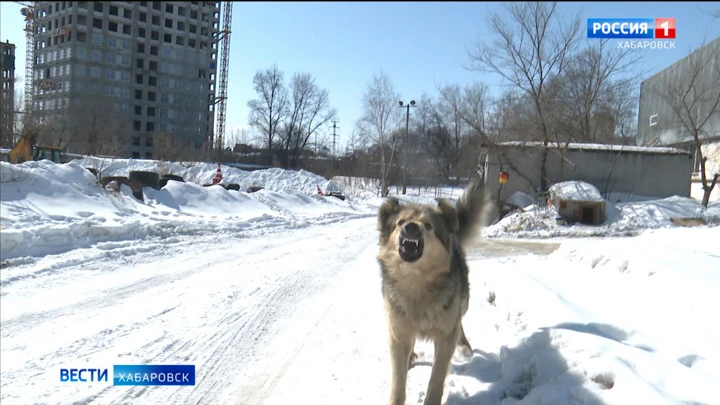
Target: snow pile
(576,191)
(630,216)
(623,219)
(48,208)
(202,173)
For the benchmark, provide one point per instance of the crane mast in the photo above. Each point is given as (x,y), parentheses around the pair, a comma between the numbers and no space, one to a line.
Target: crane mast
(28,11)
(221,99)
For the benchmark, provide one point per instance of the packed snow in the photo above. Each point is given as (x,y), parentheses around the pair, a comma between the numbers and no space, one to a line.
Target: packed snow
(274,295)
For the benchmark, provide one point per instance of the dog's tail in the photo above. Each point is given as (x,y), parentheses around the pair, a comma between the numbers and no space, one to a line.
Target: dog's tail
(473,210)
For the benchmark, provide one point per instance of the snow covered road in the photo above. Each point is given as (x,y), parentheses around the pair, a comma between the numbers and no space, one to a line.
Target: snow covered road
(294,315)
(233,307)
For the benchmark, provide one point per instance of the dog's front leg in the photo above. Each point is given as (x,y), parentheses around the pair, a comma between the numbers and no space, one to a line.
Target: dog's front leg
(401,346)
(463,342)
(444,349)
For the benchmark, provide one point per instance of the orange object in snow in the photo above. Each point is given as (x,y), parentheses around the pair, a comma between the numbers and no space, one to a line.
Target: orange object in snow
(503,177)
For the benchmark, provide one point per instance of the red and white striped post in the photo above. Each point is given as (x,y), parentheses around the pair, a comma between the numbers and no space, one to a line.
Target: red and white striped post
(218,175)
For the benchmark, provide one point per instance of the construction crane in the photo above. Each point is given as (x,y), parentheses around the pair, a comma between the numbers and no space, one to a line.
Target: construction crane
(26,148)
(28,11)
(221,99)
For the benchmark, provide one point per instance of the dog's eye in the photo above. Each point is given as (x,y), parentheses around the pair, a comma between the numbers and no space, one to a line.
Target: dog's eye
(400,222)
(428,226)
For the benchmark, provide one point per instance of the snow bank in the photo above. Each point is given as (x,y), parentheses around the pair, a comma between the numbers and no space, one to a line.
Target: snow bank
(47,208)
(623,219)
(202,173)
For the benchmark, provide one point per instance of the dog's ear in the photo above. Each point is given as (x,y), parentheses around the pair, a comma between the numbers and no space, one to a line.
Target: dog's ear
(449,215)
(389,207)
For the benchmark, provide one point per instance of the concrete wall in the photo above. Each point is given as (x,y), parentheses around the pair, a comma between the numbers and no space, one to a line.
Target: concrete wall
(652,175)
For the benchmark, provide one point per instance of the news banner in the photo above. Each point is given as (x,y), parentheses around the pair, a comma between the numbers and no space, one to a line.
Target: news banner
(133,374)
(634,33)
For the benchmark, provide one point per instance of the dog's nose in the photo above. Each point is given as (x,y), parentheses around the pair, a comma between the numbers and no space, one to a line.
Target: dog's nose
(412,228)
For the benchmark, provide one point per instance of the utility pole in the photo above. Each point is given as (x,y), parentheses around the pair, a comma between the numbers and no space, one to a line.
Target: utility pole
(405,151)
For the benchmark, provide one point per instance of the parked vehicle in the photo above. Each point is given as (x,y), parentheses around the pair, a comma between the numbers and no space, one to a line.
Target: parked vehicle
(26,149)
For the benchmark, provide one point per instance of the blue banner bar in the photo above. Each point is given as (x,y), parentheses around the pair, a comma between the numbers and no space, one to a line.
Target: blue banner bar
(621,28)
(153,374)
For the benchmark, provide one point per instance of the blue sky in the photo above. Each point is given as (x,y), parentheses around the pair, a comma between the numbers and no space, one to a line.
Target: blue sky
(420,45)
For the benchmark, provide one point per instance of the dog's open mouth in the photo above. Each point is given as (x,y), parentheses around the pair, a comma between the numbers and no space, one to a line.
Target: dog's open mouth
(410,249)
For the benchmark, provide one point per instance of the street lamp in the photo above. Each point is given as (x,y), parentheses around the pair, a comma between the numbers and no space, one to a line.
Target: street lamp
(407,130)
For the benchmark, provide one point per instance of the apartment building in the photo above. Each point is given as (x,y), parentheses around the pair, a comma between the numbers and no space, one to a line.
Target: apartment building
(128,79)
(7,94)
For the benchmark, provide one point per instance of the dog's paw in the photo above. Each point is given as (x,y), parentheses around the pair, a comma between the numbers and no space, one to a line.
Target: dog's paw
(413,359)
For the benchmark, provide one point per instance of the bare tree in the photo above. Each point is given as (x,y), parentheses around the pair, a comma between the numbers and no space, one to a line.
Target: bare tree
(241,136)
(381,116)
(271,106)
(309,110)
(98,124)
(91,125)
(423,113)
(475,105)
(530,53)
(356,142)
(592,78)
(438,145)
(694,99)
(174,148)
(450,105)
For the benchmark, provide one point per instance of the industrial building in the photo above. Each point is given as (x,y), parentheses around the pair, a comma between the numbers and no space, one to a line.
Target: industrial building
(658,123)
(127,79)
(7,95)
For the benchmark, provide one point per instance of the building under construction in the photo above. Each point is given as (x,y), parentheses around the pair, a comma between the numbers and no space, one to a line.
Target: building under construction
(7,95)
(129,79)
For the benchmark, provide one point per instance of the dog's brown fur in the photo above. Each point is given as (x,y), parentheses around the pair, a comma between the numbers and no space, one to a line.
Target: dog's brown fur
(428,298)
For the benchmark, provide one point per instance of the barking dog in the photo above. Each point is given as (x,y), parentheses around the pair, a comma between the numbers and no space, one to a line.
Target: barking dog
(425,281)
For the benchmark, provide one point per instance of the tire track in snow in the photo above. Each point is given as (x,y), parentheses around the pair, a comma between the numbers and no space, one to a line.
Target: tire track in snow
(228,325)
(258,337)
